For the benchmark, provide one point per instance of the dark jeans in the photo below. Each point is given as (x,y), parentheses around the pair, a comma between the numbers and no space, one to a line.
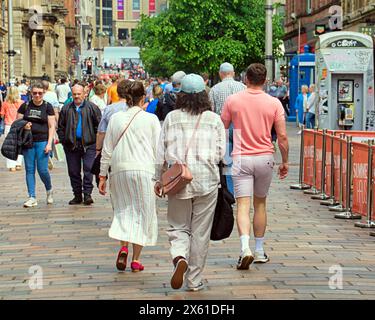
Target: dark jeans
(310,120)
(74,159)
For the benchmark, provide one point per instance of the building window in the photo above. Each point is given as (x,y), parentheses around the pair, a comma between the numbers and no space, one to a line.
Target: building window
(136,5)
(123,34)
(308,6)
(120,9)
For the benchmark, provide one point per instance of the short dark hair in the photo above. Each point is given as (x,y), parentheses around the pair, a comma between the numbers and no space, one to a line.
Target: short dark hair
(122,88)
(193,103)
(256,74)
(37,85)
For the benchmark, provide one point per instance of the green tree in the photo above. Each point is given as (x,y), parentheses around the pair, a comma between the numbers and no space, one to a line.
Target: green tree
(198,35)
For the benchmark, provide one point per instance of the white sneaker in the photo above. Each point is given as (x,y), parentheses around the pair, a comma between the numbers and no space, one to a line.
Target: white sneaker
(261,257)
(197,288)
(245,260)
(50,197)
(299,132)
(31,202)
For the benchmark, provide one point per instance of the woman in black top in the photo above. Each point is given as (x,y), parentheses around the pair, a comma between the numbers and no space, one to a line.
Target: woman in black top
(41,121)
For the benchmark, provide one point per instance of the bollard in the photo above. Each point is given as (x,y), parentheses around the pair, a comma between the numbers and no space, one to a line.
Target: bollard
(347,214)
(313,190)
(331,201)
(323,196)
(369,223)
(301,185)
(340,206)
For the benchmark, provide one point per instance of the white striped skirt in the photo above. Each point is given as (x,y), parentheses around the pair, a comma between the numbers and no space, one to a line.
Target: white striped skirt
(134,206)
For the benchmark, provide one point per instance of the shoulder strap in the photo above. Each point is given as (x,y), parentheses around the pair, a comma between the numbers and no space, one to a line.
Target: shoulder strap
(193,136)
(122,134)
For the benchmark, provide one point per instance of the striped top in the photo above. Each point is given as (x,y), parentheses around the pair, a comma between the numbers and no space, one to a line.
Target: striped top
(206,151)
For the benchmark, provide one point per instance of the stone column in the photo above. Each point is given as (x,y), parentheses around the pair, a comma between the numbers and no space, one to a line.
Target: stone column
(37,54)
(18,59)
(49,53)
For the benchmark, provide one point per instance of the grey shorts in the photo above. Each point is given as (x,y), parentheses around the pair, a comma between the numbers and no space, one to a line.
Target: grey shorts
(252,175)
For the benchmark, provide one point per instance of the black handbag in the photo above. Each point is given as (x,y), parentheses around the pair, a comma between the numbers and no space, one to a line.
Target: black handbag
(223,223)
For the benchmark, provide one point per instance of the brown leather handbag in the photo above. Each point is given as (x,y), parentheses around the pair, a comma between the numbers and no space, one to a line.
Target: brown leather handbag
(178,176)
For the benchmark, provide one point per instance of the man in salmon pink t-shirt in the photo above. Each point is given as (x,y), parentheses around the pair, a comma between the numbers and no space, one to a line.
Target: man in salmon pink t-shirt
(253,114)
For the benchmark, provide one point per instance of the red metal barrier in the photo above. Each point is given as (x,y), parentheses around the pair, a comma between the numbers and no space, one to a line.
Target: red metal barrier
(318,160)
(329,139)
(360,176)
(308,154)
(337,155)
(344,172)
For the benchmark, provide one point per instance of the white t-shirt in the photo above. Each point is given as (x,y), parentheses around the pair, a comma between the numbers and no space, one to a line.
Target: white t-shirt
(22,88)
(51,98)
(62,92)
(99,102)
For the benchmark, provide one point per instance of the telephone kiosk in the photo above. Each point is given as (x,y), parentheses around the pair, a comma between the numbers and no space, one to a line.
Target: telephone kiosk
(345,81)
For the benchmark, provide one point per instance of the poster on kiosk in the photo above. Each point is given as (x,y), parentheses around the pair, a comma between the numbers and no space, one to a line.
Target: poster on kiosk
(345,81)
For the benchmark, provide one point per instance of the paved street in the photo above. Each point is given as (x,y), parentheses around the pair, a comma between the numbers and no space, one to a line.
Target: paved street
(77,257)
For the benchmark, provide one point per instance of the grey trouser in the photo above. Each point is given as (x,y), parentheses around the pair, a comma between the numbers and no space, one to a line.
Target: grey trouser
(190,223)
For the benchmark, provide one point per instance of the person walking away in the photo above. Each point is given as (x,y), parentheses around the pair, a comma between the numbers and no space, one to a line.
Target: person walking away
(282,95)
(157,92)
(77,129)
(301,106)
(23,90)
(62,91)
(3,90)
(169,98)
(98,97)
(194,135)
(8,112)
(312,101)
(131,176)
(218,95)
(109,111)
(112,91)
(41,121)
(253,113)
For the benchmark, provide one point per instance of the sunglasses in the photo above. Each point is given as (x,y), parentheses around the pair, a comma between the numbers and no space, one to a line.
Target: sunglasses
(37,93)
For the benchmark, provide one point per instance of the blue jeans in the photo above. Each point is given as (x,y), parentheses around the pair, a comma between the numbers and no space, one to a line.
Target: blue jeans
(36,155)
(229,161)
(310,120)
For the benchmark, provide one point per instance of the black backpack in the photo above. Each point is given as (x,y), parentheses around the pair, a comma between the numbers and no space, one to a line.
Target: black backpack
(223,223)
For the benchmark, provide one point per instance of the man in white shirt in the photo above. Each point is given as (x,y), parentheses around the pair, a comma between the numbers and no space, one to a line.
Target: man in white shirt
(310,108)
(62,91)
(51,97)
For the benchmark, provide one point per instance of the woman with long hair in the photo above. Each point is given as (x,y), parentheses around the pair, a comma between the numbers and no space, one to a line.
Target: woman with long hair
(191,210)
(129,148)
(8,112)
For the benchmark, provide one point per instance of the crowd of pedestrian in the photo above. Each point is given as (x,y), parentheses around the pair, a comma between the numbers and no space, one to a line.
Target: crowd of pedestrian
(129,133)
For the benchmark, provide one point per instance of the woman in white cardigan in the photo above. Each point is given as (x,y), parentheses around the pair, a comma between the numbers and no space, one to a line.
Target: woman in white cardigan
(131,157)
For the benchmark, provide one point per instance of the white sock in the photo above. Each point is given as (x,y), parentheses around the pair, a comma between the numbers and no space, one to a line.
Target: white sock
(259,244)
(245,242)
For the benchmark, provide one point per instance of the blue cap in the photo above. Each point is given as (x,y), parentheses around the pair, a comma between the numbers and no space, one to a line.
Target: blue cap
(192,83)
(226,67)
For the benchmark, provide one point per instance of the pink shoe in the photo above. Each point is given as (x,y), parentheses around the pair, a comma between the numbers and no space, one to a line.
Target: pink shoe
(137,266)
(121,259)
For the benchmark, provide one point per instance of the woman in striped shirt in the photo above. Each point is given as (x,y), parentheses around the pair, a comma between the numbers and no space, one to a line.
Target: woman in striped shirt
(191,211)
